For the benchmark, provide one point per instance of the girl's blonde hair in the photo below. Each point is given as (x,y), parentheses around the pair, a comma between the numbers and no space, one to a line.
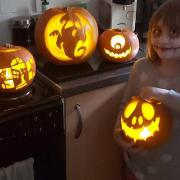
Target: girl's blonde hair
(169,14)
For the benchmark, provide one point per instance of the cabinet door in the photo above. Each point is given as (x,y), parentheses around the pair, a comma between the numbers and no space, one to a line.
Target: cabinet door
(92,153)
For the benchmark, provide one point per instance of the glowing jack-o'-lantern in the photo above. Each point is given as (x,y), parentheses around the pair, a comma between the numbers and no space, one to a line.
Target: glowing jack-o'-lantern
(118,45)
(66,35)
(145,122)
(17,68)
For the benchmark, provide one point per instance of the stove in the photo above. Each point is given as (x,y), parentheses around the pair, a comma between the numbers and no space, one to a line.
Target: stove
(41,90)
(32,125)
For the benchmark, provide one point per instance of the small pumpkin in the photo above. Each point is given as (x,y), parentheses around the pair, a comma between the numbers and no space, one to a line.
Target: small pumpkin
(66,35)
(147,123)
(118,45)
(17,68)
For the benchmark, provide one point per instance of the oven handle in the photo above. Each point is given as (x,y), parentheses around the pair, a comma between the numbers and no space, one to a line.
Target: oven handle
(80,121)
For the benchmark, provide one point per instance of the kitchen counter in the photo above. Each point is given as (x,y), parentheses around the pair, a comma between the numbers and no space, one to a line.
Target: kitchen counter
(93,74)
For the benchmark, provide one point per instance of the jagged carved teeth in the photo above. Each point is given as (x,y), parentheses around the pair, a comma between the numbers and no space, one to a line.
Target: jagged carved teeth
(116,55)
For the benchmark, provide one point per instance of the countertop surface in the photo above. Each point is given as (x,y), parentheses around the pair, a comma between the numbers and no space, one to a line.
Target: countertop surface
(92,74)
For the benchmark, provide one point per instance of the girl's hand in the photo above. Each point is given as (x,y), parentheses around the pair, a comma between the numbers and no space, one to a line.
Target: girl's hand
(149,92)
(129,147)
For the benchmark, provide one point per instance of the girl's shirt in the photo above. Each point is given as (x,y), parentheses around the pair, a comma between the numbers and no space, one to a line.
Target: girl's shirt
(162,162)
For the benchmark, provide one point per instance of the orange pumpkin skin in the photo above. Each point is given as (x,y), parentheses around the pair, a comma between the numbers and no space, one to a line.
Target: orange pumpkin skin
(137,121)
(66,35)
(118,45)
(17,68)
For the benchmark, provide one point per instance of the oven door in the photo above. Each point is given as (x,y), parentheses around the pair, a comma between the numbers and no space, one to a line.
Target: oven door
(35,131)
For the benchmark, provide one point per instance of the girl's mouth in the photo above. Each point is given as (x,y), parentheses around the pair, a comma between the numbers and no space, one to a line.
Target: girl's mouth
(166,48)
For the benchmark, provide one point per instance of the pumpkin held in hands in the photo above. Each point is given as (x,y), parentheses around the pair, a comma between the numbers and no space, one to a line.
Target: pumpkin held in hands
(118,45)
(66,35)
(17,68)
(147,123)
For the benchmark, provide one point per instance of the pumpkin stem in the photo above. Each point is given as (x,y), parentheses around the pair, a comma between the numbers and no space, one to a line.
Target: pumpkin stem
(118,29)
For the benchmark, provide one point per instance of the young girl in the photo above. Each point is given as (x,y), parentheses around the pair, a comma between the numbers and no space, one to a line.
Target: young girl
(158,76)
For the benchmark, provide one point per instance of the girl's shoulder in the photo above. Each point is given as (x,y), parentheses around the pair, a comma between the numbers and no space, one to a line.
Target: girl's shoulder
(142,63)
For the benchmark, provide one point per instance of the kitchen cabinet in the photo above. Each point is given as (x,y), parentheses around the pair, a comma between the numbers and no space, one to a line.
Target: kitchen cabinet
(92,153)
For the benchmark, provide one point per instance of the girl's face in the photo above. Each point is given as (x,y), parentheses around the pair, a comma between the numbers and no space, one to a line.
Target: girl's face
(166,42)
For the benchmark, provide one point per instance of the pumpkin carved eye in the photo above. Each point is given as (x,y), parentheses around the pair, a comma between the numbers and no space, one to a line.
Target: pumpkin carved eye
(117,42)
(148,111)
(130,109)
(78,24)
(69,24)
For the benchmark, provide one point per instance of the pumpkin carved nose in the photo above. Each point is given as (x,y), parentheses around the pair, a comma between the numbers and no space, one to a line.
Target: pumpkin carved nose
(137,121)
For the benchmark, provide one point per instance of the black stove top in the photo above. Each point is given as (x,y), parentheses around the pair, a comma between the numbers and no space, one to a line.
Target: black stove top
(40,91)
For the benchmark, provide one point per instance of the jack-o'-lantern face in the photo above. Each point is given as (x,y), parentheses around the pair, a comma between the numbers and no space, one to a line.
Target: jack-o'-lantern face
(17,68)
(118,45)
(142,120)
(69,35)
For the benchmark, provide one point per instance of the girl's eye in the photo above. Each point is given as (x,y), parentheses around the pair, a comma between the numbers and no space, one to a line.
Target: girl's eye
(174,33)
(156,32)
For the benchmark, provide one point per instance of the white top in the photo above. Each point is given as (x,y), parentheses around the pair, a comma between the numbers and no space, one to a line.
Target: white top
(162,163)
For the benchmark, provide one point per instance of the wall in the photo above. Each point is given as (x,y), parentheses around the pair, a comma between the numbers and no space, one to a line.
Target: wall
(13,8)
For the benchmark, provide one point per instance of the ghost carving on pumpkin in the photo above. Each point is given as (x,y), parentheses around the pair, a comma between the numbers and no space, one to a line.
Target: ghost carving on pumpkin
(72,36)
(145,122)
(66,35)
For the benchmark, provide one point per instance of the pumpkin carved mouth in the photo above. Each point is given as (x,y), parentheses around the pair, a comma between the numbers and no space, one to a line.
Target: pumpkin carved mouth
(116,55)
(141,133)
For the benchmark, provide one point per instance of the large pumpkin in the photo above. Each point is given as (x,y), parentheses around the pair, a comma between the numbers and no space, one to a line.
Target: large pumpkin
(147,123)
(66,35)
(118,45)
(17,68)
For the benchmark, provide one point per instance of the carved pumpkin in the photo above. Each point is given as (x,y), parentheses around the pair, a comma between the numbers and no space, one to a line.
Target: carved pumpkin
(145,122)
(118,45)
(17,68)
(66,35)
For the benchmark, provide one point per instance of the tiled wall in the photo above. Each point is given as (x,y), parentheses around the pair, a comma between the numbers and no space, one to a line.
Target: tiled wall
(13,8)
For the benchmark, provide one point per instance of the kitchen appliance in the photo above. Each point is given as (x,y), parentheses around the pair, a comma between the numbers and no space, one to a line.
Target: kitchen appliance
(23,31)
(32,125)
(117,14)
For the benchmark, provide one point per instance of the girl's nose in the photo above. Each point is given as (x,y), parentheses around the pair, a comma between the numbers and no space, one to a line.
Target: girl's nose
(163,39)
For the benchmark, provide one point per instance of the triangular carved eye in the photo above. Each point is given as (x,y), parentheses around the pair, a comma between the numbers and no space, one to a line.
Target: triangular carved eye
(148,111)
(130,109)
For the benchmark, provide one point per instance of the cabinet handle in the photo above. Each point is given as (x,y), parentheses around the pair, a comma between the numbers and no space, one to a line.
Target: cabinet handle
(80,121)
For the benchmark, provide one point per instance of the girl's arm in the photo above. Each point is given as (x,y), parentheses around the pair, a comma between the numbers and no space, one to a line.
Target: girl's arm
(170,98)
